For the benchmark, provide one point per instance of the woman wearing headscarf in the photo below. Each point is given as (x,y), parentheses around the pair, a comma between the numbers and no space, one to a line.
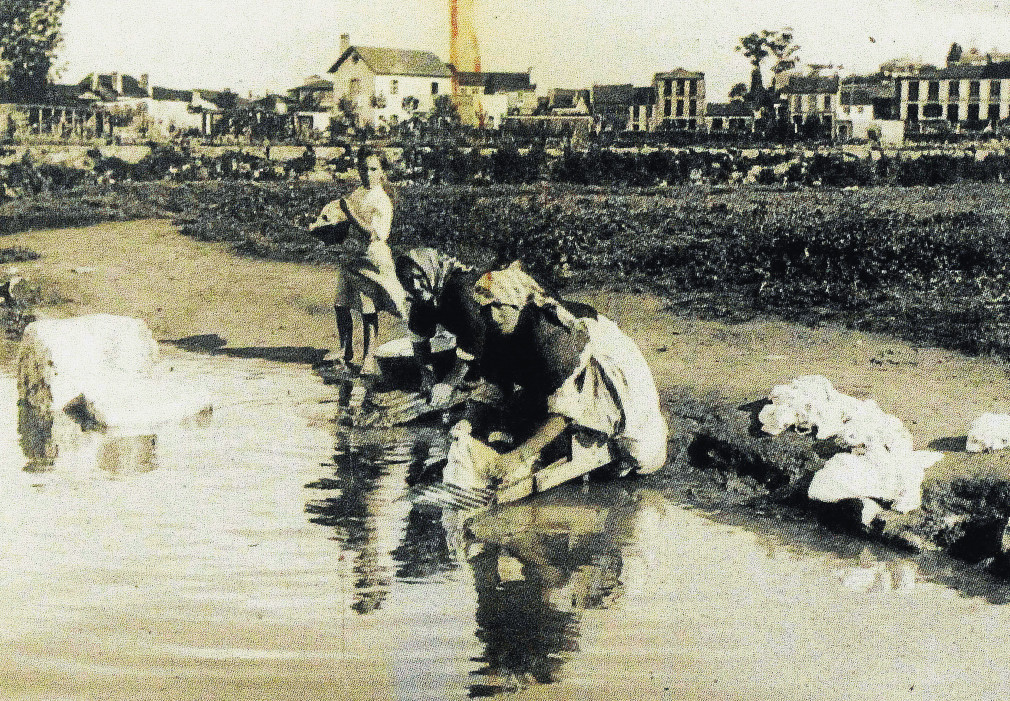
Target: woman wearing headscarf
(564,370)
(366,277)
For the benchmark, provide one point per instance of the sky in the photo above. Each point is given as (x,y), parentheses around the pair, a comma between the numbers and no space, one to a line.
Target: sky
(272,45)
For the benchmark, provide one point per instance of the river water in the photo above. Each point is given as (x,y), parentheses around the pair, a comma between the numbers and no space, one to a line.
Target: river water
(267,552)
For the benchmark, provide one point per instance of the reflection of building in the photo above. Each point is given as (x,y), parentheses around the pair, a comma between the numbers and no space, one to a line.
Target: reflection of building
(680,96)
(386,86)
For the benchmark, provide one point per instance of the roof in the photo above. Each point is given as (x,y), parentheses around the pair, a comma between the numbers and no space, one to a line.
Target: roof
(383,61)
(316,83)
(679,73)
(804,84)
(643,96)
(159,93)
(728,109)
(967,72)
(107,86)
(495,81)
(978,58)
(222,99)
(862,92)
(613,94)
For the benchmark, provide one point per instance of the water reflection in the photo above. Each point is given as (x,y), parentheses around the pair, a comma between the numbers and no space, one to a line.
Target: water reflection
(538,566)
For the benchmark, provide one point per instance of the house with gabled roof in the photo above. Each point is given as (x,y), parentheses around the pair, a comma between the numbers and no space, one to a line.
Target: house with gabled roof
(735,116)
(809,101)
(383,86)
(485,98)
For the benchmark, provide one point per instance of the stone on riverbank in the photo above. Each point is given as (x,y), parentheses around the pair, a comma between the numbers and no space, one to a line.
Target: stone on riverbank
(94,373)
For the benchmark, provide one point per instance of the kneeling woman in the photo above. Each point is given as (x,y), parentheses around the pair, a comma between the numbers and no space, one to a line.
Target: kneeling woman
(585,398)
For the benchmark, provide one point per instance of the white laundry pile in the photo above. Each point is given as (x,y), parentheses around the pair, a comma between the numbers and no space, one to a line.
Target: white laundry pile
(882,464)
(989,432)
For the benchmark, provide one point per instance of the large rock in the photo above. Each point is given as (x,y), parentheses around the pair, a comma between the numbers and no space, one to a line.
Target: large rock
(94,373)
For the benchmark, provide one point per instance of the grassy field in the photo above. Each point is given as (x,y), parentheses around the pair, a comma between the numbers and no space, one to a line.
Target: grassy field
(927,264)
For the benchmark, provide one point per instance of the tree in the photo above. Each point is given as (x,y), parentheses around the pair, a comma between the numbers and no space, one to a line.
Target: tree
(739,92)
(29,36)
(758,46)
(954,55)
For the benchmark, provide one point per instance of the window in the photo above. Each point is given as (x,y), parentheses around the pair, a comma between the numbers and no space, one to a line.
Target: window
(952,114)
(932,111)
(692,108)
(680,86)
(993,112)
(717,124)
(667,106)
(913,113)
(634,112)
(667,87)
(913,91)
(827,102)
(954,90)
(680,108)
(973,112)
(394,87)
(934,91)
(692,88)
(434,88)
(797,107)
(811,103)
(974,90)
(994,90)
(354,87)
(897,90)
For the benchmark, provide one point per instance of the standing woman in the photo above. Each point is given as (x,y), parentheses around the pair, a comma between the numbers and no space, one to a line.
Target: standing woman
(366,276)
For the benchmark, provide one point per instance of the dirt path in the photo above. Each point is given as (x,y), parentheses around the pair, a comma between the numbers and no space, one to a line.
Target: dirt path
(184,288)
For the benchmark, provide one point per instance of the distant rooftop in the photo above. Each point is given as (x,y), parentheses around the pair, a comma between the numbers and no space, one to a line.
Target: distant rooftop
(385,61)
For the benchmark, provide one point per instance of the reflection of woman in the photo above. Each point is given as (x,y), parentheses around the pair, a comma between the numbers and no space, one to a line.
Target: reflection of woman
(366,280)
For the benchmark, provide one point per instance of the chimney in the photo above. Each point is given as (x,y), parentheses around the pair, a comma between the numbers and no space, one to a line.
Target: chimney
(94,82)
(345,43)
(145,83)
(117,83)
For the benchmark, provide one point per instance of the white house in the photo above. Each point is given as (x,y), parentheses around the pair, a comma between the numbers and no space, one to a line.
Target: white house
(383,86)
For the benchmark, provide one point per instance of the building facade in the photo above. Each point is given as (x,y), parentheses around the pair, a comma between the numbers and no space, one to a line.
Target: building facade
(962,96)
(680,100)
(383,86)
(809,102)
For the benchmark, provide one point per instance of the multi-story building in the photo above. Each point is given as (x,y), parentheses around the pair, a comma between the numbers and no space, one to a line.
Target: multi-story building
(680,100)
(611,106)
(643,102)
(382,86)
(808,102)
(963,95)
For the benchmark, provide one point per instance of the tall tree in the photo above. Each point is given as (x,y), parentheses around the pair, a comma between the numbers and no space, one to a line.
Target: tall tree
(738,92)
(757,46)
(29,36)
